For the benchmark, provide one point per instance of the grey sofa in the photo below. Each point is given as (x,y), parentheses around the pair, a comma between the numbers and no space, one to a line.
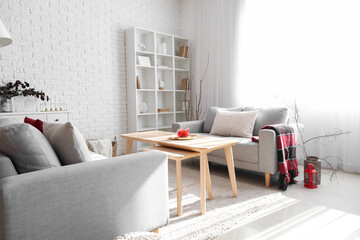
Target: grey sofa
(91,200)
(258,157)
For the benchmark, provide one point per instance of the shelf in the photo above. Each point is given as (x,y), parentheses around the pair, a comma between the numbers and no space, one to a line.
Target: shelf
(166,90)
(165,68)
(145,114)
(164,113)
(164,55)
(145,67)
(181,58)
(181,70)
(145,90)
(144,53)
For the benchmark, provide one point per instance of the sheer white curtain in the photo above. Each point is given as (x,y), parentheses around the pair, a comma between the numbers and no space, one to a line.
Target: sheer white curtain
(309,50)
(216,25)
(266,52)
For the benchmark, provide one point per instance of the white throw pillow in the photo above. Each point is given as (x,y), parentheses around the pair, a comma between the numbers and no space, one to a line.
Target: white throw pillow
(234,124)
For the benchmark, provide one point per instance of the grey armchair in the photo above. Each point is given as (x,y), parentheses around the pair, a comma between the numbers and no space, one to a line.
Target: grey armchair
(92,200)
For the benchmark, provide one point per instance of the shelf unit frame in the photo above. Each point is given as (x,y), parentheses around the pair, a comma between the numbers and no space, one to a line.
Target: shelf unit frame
(165,64)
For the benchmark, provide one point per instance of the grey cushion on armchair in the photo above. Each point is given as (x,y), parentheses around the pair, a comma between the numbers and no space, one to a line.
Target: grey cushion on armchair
(27,147)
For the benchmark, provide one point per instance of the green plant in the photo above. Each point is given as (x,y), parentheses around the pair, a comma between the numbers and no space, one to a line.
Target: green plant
(20,89)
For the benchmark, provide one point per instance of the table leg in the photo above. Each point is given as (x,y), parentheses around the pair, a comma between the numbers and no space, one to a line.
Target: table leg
(203,182)
(179,187)
(128,146)
(208,179)
(231,169)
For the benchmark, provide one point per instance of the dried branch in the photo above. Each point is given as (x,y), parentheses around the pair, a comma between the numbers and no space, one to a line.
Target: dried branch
(198,100)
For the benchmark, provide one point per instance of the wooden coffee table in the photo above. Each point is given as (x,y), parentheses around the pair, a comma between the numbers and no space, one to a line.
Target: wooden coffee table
(185,149)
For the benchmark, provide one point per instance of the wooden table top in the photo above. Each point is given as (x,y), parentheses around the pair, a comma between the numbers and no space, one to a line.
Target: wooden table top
(201,143)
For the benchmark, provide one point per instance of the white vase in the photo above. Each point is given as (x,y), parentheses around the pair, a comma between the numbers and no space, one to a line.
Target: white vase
(6,105)
(143,108)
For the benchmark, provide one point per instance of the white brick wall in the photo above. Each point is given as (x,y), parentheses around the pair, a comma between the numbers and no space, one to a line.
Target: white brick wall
(78,47)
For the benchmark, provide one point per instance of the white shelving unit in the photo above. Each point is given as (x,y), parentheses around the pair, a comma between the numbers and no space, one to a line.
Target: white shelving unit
(165,63)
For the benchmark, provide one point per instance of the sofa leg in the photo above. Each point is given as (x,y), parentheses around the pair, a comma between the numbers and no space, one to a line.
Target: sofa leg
(156,230)
(267,179)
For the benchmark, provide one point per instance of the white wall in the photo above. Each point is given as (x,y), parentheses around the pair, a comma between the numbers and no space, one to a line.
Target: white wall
(78,47)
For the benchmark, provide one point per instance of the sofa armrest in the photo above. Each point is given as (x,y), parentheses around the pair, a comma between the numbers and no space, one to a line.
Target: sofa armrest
(194,126)
(268,162)
(267,151)
(92,200)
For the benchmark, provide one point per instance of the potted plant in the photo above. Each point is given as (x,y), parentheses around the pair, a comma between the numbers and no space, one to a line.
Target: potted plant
(18,88)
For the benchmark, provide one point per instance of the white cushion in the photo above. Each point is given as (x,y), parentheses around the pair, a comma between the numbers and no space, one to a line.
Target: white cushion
(234,124)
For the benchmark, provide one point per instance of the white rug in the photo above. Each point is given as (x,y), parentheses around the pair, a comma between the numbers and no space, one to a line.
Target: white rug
(223,212)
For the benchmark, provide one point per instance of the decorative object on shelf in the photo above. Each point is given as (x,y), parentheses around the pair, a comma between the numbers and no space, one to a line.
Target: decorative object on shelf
(19,89)
(184,84)
(184,51)
(142,46)
(185,105)
(163,110)
(138,85)
(163,48)
(144,61)
(310,177)
(161,84)
(5,38)
(142,107)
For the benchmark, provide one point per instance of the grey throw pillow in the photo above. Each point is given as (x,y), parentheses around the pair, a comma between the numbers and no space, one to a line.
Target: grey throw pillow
(68,142)
(210,116)
(27,147)
(268,116)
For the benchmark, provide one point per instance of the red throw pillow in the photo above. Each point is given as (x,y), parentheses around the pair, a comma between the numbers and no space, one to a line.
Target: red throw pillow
(36,123)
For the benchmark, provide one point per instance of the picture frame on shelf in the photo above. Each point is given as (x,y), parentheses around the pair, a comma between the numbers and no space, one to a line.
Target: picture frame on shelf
(185,104)
(144,61)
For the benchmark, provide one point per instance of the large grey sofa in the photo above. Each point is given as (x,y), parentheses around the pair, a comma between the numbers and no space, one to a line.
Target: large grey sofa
(258,157)
(90,200)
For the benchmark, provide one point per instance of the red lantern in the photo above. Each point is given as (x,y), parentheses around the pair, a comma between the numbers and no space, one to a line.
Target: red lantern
(310,177)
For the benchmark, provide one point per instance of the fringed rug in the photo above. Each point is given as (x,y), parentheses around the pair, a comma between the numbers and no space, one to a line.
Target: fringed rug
(223,212)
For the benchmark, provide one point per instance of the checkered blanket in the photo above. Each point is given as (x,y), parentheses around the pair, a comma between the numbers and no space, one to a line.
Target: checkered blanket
(286,149)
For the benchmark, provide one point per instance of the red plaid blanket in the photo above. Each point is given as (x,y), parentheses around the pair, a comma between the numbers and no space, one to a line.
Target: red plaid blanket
(286,149)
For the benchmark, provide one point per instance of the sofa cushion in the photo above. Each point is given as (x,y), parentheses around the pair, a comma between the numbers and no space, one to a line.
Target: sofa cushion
(7,168)
(68,142)
(234,124)
(28,148)
(246,150)
(210,116)
(8,121)
(268,116)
